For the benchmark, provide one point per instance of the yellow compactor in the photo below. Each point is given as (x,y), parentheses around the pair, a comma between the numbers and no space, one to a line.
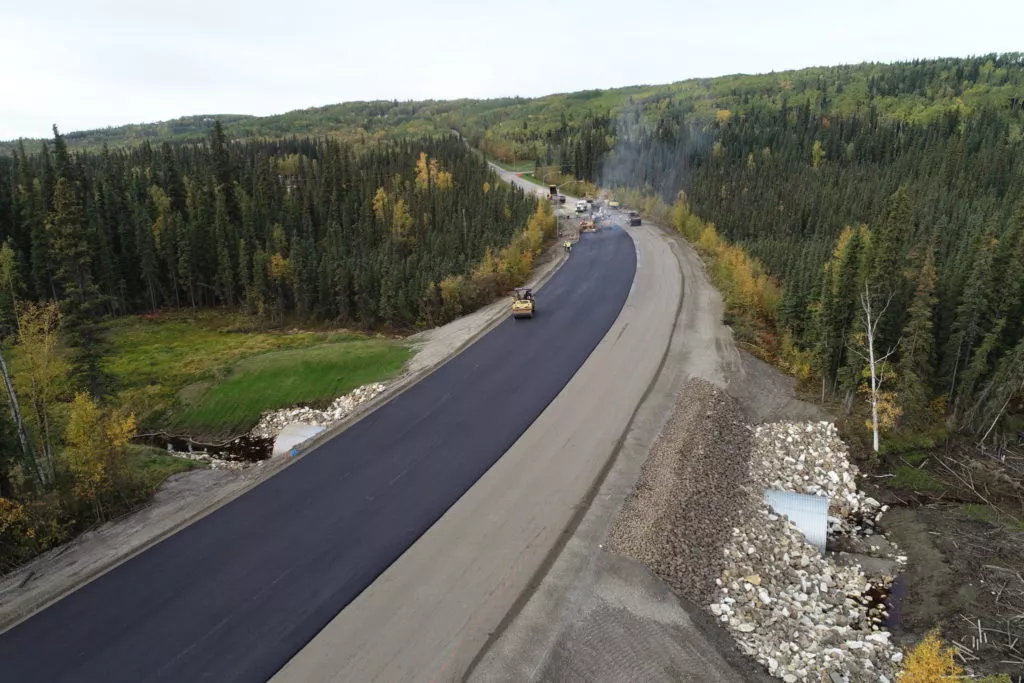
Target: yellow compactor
(523,304)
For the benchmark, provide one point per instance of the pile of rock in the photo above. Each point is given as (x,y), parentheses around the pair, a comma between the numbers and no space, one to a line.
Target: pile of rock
(680,513)
(272,422)
(797,612)
(213,461)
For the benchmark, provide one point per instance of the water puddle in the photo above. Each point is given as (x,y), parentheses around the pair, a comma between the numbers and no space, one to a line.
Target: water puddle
(243,449)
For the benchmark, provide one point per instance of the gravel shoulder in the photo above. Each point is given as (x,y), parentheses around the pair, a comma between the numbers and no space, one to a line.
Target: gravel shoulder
(187,497)
(597,615)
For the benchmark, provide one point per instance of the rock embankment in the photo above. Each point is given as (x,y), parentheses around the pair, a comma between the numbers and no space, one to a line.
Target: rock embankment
(684,506)
(794,610)
(697,518)
(272,422)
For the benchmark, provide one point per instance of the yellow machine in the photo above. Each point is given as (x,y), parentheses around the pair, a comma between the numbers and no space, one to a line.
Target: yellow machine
(523,304)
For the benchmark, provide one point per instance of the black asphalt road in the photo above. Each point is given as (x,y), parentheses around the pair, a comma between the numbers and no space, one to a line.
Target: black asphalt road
(235,595)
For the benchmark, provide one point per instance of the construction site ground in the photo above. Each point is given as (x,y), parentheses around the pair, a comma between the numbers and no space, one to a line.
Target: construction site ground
(598,616)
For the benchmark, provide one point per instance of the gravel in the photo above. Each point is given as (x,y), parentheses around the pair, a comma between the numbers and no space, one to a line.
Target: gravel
(697,518)
(271,423)
(683,509)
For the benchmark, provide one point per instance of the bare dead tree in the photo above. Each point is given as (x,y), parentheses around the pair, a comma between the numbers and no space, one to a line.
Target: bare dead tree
(875,363)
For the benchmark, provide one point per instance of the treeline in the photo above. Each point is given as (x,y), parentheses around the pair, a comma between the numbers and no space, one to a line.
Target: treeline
(926,216)
(838,188)
(303,226)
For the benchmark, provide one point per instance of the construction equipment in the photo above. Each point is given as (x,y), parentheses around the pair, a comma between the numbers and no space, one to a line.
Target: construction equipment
(612,204)
(634,218)
(552,191)
(523,304)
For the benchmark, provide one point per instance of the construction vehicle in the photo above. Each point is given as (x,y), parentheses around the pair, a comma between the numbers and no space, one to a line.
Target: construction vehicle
(612,204)
(553,191)
(634,218)
(523,304)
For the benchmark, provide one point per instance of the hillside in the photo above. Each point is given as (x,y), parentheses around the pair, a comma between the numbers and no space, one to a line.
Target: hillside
(913,92)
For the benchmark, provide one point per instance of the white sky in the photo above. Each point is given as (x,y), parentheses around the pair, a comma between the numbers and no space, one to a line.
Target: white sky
(89,64)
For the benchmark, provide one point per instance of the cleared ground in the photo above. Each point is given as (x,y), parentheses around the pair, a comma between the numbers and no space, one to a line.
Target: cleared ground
(595,616)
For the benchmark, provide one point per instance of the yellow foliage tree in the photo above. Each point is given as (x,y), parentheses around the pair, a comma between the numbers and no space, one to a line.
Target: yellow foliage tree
(817,154)
(45,369)
(12,513)
(94,443)
(401,222)
(422,172)
(380,204)
(930,662)
(722,115)
(280,269)
(451,296)
(429,172)
(84,453)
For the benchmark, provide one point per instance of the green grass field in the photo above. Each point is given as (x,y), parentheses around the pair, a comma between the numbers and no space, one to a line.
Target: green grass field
(211,374)
(285,378)
(151,466)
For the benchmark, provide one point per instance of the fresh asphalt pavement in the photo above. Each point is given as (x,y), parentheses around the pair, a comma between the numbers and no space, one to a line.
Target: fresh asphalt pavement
(235,595)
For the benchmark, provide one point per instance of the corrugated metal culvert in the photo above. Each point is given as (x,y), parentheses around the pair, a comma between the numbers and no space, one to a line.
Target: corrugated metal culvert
(809,513)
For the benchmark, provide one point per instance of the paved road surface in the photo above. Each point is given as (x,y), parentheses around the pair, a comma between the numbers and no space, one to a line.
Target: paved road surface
(235,595)
(431,613)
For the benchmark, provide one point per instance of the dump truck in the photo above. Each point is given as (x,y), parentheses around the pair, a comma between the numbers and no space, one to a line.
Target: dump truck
(523,304)
(634,218)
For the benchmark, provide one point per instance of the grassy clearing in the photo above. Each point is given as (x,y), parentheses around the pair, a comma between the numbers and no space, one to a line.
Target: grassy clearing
(910,440)
(172,369)
(284,378)
(913,479)
(986,513)
(520,166)
(151,466)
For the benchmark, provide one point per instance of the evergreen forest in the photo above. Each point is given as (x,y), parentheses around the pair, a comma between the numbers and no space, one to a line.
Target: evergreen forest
(814,196)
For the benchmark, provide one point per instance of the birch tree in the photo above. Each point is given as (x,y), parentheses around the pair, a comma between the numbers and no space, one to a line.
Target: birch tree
(882,404)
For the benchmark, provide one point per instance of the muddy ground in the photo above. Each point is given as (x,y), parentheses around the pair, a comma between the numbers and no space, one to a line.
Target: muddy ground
(963,575)
(960,521)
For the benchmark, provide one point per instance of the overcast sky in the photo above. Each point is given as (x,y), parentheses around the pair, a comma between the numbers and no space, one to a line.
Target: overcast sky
(90,64)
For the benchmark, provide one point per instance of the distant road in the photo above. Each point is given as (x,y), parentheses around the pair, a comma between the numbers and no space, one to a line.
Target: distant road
(235,595)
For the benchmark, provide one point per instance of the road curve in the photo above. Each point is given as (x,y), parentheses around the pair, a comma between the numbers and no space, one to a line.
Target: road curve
(235,595)
(429,616)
